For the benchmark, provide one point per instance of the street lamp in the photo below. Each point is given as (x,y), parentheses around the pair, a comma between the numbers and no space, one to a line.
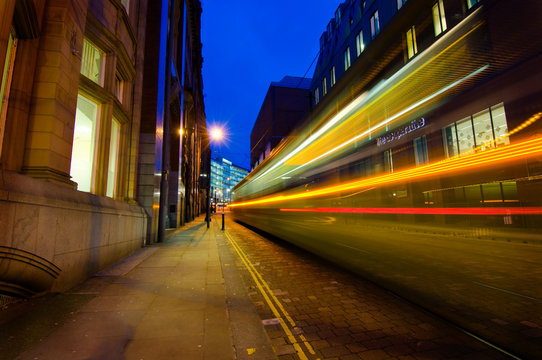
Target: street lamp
(216,133)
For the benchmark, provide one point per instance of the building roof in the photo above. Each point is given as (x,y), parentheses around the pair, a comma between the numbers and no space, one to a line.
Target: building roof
(294,82)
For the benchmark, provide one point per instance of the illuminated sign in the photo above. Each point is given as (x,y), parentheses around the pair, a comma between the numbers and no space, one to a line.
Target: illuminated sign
(399,133)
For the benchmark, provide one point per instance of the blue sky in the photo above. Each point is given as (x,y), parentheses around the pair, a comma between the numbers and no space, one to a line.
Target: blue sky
(247,44)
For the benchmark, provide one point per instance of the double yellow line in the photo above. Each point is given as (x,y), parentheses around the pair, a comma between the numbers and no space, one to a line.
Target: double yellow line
(274,304)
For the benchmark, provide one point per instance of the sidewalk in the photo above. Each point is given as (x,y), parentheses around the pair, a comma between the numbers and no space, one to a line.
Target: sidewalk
(167,301)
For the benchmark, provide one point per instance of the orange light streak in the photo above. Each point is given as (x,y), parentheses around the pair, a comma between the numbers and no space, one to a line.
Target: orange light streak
(489,157)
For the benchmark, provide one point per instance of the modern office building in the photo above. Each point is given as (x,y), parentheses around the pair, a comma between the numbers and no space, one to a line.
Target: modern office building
(224,176)
(428,115)
(285,104)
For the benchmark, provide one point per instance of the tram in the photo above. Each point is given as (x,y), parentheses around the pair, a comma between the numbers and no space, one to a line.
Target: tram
(426,178)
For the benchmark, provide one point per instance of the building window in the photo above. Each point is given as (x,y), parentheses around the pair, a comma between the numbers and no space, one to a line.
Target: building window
(316,96)
(472,3)
(388,161)
(360,46)
(412,48)
(338,16)
(332,78)
(481,131)
(7,72)
(322,41)
(92,62)
(112,171)
(400,3)
(439,20)
(347,58)
(375,25)
(324,86)
(84,142)
(420,151)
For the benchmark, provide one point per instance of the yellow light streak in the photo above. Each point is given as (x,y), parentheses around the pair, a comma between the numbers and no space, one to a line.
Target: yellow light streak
(483,159)
(360,104)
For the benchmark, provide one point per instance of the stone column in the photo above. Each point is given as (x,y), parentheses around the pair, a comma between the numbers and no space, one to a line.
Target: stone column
(54,98)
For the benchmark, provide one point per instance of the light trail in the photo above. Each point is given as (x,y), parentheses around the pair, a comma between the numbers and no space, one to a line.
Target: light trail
(388,120)
(379,91)
(483,159)
(425,211)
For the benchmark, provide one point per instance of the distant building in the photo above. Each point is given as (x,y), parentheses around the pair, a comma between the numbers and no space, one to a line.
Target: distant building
(285,103)
(224,176)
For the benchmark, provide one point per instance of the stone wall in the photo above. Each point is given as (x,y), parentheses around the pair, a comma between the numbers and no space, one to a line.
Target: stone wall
(48,230)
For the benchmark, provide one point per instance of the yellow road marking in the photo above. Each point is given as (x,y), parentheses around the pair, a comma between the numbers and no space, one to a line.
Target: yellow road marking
(262,285)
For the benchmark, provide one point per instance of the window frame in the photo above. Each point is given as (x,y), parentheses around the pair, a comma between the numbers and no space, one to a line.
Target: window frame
(87,67)
(375,25)
(360,44)
(347,59)
(412,46)
(439,18)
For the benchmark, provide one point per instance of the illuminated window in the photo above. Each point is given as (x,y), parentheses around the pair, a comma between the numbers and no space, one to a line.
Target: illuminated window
(92,62)
(481,131)
(412,48)
(360,46)
(400,3)
(471,3)
(332,76)
(6,83)
(324,86)
(112,171)
(420,151)
(439,19)
(84,143)
(316,96)
(347,58)
(375,25)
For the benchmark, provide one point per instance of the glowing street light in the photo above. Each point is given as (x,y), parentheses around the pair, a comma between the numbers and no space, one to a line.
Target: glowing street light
(216,134)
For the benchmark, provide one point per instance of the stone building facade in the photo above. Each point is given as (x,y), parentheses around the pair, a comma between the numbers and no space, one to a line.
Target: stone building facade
(69,133)
(174,159)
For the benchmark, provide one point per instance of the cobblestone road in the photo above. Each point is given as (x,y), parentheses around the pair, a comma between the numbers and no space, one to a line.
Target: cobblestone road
(312,309)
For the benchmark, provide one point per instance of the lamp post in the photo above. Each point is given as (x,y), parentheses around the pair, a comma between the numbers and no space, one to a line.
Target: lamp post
(216,135)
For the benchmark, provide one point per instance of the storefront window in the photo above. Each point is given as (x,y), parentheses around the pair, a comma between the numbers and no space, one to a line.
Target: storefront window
(481,131)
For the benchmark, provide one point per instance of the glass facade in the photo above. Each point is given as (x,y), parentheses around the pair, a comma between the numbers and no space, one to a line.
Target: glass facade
(483,130)
(224,177)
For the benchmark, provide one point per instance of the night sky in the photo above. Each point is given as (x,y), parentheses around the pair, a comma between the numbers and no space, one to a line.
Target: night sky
(247,45)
